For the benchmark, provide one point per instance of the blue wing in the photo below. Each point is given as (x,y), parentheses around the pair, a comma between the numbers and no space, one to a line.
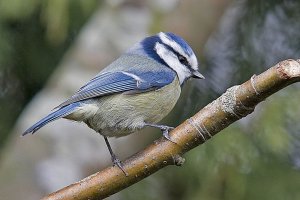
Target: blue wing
(119,82)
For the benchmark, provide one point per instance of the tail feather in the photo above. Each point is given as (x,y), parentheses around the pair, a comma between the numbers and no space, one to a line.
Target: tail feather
(61,112)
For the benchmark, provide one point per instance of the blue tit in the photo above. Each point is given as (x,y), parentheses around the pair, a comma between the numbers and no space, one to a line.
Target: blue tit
(135,91)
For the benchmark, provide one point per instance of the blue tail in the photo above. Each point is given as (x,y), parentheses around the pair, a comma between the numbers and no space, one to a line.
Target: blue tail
(61,112)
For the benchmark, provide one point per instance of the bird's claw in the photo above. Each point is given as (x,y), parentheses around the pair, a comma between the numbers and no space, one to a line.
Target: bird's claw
(165,130)
(118,163)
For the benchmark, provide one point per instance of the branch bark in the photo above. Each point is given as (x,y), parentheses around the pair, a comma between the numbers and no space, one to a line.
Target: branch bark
(236,103)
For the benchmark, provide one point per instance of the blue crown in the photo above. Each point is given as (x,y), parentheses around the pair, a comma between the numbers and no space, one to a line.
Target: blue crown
(187,49)
(148,45)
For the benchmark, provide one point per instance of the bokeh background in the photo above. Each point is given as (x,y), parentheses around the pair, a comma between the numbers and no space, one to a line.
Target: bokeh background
(49,48)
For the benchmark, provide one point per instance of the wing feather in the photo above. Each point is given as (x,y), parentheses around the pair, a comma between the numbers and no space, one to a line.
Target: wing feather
(120,82)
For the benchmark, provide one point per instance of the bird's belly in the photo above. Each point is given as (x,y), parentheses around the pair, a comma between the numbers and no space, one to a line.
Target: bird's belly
(122,114)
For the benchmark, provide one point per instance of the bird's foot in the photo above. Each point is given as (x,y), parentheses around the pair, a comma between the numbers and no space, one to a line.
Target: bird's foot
(118,163)
(165,130)
(114,158)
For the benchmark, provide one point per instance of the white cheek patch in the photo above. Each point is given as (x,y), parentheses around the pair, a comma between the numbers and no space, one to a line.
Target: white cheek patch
(194,62)
(171,59)
(191,59)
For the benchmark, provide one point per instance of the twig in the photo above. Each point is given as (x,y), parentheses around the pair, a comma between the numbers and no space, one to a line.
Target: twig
(235,103)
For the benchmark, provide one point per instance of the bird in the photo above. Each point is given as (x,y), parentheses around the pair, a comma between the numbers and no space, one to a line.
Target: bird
(136,90)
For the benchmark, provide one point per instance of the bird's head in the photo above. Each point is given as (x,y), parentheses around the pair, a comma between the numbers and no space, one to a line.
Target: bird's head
(171,50)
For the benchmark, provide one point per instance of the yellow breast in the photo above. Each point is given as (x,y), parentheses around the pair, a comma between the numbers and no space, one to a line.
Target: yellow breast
(155,105)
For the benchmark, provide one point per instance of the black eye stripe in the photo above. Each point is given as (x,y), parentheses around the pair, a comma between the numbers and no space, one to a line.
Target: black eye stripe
(182,59)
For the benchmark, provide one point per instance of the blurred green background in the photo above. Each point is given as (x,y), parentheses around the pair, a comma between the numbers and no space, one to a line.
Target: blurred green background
(255,158)
(33,38)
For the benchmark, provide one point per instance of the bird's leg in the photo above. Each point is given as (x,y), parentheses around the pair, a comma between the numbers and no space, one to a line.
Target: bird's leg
(114,158)
(165,130)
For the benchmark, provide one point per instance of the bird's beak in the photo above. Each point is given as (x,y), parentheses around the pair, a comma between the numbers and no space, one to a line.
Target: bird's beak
(197,75)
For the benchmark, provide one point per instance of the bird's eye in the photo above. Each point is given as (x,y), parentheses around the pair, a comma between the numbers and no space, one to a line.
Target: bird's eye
(183,60)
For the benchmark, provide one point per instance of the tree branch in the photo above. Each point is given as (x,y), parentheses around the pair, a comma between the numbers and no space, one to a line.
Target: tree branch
(236,103)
